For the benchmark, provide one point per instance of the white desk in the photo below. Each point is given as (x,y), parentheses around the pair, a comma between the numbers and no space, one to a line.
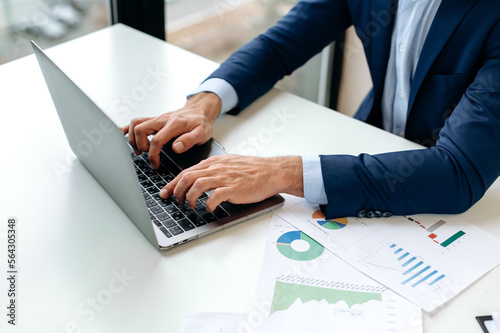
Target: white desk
(73,238)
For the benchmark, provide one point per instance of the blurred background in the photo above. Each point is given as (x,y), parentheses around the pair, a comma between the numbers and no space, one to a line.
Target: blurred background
(47,22)
(211,28)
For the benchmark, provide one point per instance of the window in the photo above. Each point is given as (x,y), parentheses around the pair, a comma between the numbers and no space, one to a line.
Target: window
(216,28)
(48,22)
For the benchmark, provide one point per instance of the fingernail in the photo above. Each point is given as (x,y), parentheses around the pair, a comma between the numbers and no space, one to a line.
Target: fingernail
(179,147)
(163,194)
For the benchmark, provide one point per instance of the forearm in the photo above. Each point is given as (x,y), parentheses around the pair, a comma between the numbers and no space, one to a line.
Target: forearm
(409,182)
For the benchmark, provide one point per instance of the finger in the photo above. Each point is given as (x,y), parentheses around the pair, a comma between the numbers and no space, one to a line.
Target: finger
(200,186)
(131,137)
(164,135)
(186,181)
(187,140)
(168,189)
(141,133)
(218,196)
(125,129)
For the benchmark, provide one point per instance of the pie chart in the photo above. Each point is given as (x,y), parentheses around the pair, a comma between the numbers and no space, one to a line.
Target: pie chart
(284,245)
(334,224)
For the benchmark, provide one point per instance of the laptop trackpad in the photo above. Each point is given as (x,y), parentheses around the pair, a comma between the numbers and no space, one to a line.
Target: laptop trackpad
(194,155)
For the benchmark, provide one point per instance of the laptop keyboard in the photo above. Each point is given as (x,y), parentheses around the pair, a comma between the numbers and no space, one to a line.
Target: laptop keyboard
(167,214)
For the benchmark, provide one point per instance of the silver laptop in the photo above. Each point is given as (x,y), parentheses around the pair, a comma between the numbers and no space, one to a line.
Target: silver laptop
(101,147)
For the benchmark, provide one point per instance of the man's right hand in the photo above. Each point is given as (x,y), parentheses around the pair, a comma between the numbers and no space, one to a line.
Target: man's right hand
(192,124)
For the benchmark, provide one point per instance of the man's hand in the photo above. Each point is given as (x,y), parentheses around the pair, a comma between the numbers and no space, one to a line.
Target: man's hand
(237,179)
(192,124)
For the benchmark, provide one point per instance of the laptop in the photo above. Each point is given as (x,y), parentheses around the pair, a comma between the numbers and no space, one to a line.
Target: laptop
(104,151)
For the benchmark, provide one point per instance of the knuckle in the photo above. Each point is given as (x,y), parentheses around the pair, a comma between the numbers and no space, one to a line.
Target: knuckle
(200,183)
(137,129)
(188,176)
(176,122)
(155,141)
(213,159)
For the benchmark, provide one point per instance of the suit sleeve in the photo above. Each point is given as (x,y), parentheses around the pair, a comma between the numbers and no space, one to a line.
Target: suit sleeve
(447,178)
(298,36)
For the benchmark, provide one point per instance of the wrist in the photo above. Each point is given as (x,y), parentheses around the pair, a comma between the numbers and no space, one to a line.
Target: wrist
(207,102)
(288,175)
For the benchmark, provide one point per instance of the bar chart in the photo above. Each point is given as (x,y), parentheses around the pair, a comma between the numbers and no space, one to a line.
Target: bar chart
(440,232)
(403,266)
(418,272)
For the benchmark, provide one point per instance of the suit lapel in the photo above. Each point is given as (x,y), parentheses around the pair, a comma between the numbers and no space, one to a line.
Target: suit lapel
(448,17)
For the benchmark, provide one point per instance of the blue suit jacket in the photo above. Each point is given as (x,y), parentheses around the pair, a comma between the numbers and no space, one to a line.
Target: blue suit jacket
(454,107)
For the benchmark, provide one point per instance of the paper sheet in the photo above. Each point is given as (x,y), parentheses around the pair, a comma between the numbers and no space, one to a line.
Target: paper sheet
(305,288)
(427,259)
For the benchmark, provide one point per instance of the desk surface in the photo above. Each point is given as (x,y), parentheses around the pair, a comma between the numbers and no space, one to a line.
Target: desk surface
(84,265)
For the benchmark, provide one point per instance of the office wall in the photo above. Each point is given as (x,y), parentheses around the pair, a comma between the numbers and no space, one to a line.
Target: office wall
(356,80)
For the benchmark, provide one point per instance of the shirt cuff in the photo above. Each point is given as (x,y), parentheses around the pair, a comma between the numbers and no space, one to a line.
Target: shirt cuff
(314,188)
(221,88)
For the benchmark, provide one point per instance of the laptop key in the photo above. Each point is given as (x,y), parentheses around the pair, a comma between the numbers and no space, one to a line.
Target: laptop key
(201,210)
(168,200)
(156,209)
(171,209)
(169,223)
(155,179)
(158,223)
(176,230)
(220,213)
(209,217)
(139,162)
(196,219)
(161,184)
(165,231)
(150,203)
(185,224)
(162,216)
(142,177)
(153,189)
(146,184)
(168,178)
(146,196)
(177,216)
(185,209)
